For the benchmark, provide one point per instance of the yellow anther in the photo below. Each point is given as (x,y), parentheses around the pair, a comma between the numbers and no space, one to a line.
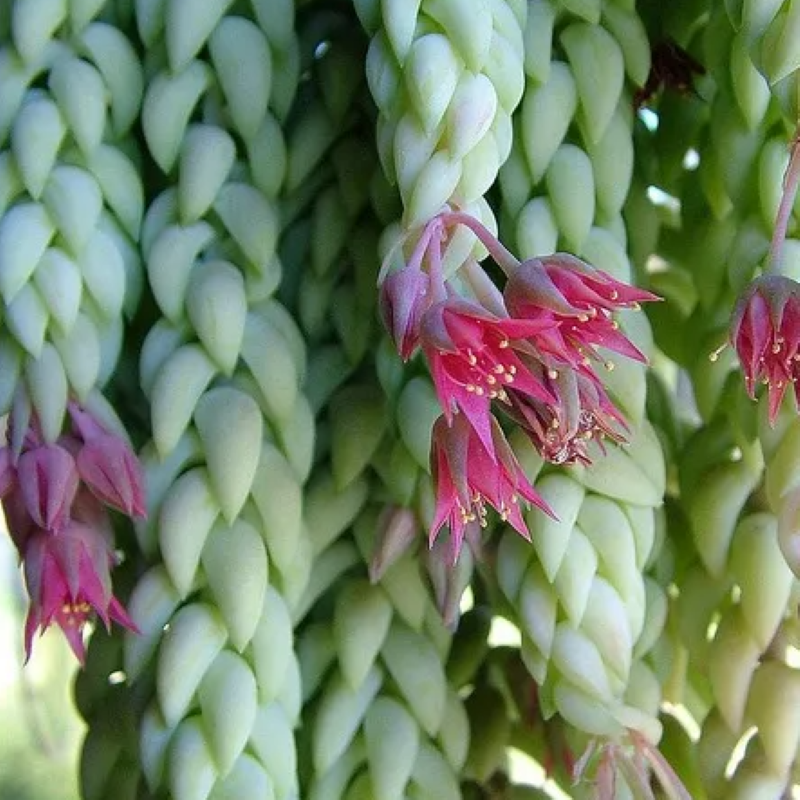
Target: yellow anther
(471,358)
(776,348)
(512,370)
(615,324)
(583,317)
(552,374)
(479,391)
(715,355)
(470,387)
(609,365)
(614,294)
(503,344)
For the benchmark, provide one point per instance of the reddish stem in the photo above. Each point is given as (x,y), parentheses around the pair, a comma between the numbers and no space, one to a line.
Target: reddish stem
(505,259)
(791,179)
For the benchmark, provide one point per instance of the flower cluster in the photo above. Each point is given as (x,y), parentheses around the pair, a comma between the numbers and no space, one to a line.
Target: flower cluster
(531,350)
(55,497)
(763,332)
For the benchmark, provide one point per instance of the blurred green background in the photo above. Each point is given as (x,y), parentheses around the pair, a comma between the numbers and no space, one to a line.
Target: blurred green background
(40,730)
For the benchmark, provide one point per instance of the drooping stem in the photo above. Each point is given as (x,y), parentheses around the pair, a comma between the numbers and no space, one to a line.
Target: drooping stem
(505,259)
(791,179)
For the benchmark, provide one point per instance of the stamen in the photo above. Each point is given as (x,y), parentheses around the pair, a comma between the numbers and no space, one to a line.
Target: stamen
(552,374)
(503,344)
(715,354)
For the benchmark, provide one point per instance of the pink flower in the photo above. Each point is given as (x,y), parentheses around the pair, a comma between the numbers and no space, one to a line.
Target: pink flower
(579,300)
(765,332)
(563,431)
(68,579)
(473,360)
(108,466)
(467,477)
(47,478)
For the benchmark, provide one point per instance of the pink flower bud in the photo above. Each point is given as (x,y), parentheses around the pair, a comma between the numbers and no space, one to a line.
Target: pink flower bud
(107,465)
(397,531)
(113,473)
(48,480)
(404,296)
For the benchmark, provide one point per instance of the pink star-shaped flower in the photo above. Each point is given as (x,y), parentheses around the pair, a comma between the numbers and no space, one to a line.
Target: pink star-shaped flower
(467,478)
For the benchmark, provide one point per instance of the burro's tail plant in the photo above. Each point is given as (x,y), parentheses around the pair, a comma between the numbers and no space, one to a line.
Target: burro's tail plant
(398,398)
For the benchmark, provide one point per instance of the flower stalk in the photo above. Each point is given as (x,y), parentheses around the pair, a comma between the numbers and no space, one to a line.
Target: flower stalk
(791,180)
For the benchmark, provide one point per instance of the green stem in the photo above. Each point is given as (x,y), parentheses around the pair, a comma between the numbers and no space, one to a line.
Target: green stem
(791,179)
